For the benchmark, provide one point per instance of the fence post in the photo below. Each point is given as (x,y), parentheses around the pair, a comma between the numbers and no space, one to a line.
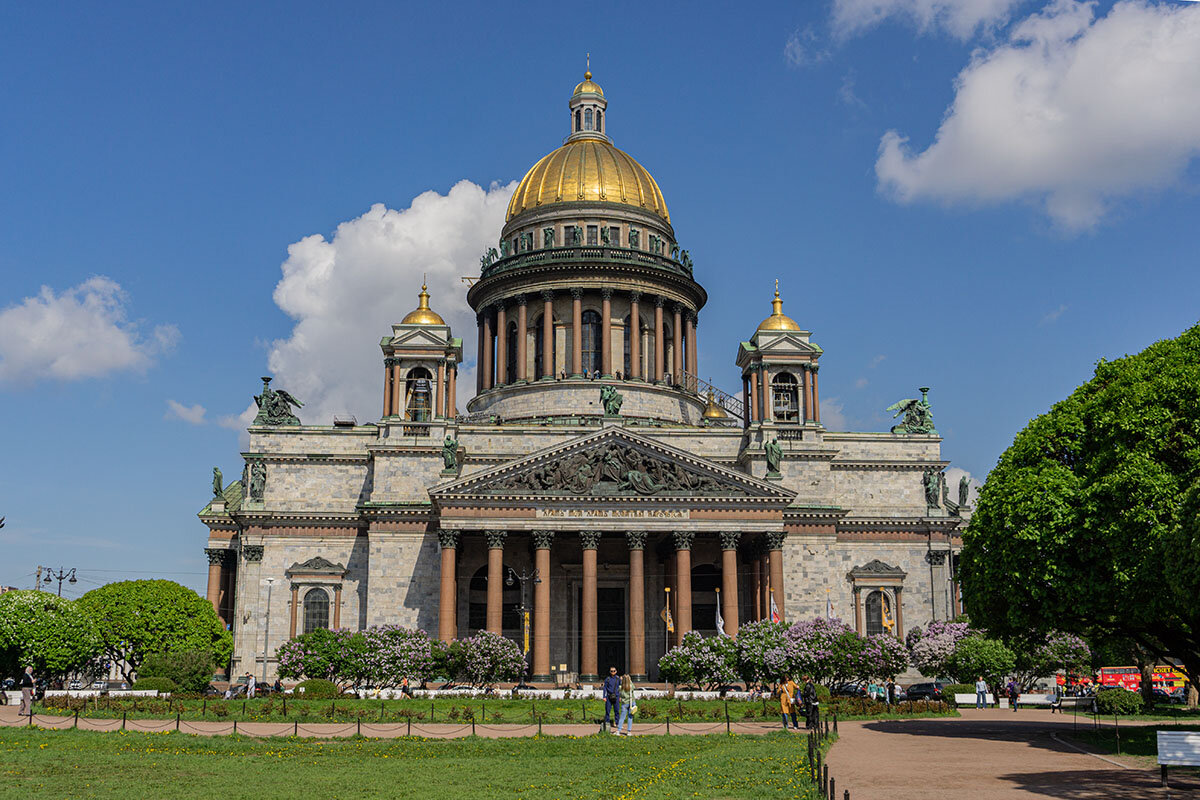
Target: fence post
(332,709)
(409,727)
(847,796)
(285,705)
(122,720)
(832,784)
(358,731)
(235,727)
(668,724)
(296,728)
(472,724)
(431,711)
(1117,725)
(825,782)
(539,719)
(835,722)
(76,725)
(204,708)
(483,711)
(243,709)
(177,715)
(381,711)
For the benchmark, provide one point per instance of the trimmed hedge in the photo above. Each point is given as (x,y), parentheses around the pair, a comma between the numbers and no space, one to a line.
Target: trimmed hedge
(319,689)
(1118,701)
(153,684)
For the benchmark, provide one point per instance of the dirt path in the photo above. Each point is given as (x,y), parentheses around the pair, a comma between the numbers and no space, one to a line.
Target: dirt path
(986,755)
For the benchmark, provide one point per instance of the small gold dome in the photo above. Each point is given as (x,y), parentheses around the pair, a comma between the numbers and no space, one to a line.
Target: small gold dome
(588,86)
(778,321)
(588,170)
(712,410)
(423,314)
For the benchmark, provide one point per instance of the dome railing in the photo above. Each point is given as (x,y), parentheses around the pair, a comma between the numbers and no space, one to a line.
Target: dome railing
(585,253)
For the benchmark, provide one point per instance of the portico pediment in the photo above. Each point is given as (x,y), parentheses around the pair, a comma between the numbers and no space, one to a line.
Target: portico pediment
(612,463)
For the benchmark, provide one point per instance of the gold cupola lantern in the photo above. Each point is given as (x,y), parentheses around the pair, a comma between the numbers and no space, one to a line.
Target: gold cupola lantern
(713,410)
(423,314)
(778,321)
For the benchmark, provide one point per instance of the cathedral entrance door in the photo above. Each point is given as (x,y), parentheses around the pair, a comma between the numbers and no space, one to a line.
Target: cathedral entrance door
(611,636)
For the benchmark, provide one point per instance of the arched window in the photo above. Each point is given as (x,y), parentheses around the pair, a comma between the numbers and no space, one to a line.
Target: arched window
(587,119)
(510,603)
(539,349)
(578,124)
(878,613)
(418,401)
(316,610)
(590,341)
(785,397)
(510,346)
(705,581)
(599,121)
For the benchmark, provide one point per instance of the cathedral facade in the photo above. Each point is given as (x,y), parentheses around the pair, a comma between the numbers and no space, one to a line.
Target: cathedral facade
(596,500)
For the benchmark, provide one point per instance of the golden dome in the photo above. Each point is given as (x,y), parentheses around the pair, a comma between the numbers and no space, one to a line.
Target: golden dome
(423,314)
(588,86)
(588,170)
(712,410)
(778,321)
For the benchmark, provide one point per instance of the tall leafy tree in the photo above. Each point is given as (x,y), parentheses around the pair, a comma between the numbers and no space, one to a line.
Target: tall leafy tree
(49,633)
(1090,521)
(136,619)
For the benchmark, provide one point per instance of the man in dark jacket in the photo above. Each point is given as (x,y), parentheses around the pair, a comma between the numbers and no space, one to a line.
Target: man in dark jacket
(612,695)
(809,694)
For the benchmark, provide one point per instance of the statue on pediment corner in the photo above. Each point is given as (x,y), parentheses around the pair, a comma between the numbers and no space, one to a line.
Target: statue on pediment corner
(918,414)
(275,406)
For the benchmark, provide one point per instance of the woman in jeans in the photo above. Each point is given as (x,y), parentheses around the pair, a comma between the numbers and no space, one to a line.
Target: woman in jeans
(626,701)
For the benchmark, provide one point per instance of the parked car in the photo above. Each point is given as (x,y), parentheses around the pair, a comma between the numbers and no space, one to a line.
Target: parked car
(1174,696)
(924,691)
(75,685)
(850,690)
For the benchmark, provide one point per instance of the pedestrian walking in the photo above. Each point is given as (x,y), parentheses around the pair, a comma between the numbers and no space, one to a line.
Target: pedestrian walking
(251,684)
(612,696)
(26,684)
(810,703)
(981,691)
(891,691)
(1014,694)
(785,704)
(628,705)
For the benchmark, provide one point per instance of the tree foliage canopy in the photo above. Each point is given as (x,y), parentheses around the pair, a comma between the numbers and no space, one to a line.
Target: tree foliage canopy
(1090,521)
(136,619)
(49,633)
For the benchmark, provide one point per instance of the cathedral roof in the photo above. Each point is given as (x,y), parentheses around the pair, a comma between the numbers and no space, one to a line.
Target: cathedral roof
(423,314)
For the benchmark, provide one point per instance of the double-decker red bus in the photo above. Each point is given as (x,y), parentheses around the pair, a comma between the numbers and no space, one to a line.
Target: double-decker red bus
(1125,677)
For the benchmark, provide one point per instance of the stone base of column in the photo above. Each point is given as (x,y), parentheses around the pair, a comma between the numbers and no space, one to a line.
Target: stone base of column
(589,678)
(639,678)
(539,679)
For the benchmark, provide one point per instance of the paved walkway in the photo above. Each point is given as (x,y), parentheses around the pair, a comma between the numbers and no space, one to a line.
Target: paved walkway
(388,730)
(987,755)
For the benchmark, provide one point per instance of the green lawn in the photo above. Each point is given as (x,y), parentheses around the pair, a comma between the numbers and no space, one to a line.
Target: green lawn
(283,708)
(1135,740)
(58,764)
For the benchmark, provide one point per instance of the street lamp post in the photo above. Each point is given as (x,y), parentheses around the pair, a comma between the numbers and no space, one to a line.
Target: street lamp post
(61,575)
(267,631)
(523,577)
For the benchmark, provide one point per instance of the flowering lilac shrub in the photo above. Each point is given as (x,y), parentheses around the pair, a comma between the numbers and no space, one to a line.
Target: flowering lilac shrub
(1056,652)
(489,658)
(393,653)
(829,650)
(764,653)
(711,662)
(882,656)
(319,654)
(931,650)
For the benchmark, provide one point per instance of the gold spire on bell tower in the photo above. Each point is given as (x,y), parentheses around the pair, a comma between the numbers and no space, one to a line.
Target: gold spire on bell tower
(423,314)
(778,321)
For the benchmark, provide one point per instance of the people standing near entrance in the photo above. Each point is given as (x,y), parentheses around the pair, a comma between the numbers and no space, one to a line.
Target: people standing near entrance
(628,704)
(26,709)
(785,704)
(981,691)
(612,695)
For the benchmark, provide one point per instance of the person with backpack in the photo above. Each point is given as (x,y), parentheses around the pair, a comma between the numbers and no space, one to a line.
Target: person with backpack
(811,707)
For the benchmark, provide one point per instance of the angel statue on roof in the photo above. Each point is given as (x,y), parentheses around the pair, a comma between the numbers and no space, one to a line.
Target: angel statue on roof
(275,406)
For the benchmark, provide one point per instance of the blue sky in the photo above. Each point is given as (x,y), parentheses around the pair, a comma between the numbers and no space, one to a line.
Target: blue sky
(982,196)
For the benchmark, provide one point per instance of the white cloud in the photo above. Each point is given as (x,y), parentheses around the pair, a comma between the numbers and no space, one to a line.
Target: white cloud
(876,361)
(960,18)
(846,93)
(861,383)
(83,332)
(833,414)
(1052,316)
(953,476)
(193,415)
(345,293)
(1072,112)
(804,48)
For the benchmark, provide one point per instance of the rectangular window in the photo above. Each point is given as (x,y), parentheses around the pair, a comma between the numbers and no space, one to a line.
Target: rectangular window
(593,234)
(614,236)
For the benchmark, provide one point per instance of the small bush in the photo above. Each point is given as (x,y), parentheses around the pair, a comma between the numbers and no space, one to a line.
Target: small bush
(951,689)
(1118,701)
(319,689)
(189,670)
(162,685)
(823,694)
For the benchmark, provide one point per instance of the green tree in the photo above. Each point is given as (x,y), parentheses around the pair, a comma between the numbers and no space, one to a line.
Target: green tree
(190,670)
(1089,522)
(49,633)
(1058,651)
(978,655)
(136,619)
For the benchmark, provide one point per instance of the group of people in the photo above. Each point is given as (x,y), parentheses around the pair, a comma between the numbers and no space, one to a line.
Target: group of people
(793,700)
(619,698)
(1012,690)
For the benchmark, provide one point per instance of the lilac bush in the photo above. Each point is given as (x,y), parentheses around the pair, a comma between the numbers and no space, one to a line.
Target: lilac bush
(829,650)
(393,653)
(489,658)
(882,656)
(931,650)
(764,653)
(1056,652)
(320,654)
(709,662)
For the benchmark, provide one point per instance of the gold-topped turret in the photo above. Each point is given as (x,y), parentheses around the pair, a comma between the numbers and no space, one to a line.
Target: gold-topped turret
(778,321)
(713,410)
(588,86)
(423,314)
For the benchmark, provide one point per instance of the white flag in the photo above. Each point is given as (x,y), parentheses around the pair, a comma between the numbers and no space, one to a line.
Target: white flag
(720,622)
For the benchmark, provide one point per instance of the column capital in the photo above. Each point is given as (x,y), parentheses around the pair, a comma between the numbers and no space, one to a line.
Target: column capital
(606,293)
(677,308)
(577,293)
(295,588)
(589,539)
(693,318)
(448,539)
(217,556)
(495,539)
(814,366)
(636,539)
(659,301)
(252,552)
(542,540)
(522,299)
(500,305)
(684,539)
(635,296)
(547,295)
(729,539)
(775,540)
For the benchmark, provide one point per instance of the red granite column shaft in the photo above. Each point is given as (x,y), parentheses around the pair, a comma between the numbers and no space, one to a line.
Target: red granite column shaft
(487,351)
(606,359)
(659,346)
(541,606)
(447,591)
(295,607)
(683,583)
(495,581)
(522,336)
(548,334)
(677,346)
(501,345)
(576,331)
(588,667)
(634,334)
(637,604)
(729,581)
